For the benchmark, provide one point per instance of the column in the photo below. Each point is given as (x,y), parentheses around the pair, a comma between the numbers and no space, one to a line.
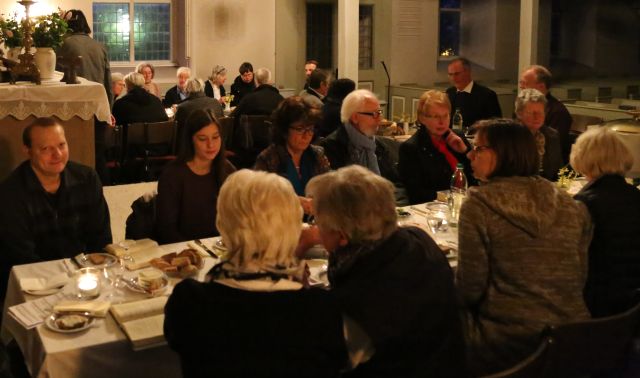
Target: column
(348,32)
(529,11)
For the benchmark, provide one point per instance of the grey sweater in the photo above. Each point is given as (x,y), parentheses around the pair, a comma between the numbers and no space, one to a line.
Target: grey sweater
(522,265)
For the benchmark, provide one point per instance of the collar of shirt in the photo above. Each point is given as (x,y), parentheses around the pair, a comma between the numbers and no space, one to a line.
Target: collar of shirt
(468,88)
(316,92)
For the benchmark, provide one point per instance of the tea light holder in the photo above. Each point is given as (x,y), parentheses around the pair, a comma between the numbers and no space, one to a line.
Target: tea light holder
(87,282)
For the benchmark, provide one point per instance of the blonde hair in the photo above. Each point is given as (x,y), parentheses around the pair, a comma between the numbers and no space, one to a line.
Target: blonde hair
(134,79)
(432,97)
(355,201)
(599,152)
(260,219)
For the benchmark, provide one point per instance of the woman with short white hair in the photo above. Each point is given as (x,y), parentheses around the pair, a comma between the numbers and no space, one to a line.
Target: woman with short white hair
(614,258)
(393,284)
(530,109)
(253,318)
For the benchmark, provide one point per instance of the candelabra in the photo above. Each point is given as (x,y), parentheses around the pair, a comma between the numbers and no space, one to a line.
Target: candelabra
(26,68)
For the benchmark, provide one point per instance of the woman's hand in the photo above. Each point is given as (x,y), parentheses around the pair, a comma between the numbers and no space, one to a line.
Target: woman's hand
(456,143)
(309,237)
(307,204)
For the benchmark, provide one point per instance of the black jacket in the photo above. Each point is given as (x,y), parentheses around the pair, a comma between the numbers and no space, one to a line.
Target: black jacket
(336,148)
(138,105)
(401,292)
(424,170)
(171,97)
(208,89)
(481,103)
(614,254)
(239,89)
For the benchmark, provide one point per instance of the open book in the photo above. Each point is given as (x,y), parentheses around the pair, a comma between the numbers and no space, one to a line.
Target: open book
(142,321)
(141,252)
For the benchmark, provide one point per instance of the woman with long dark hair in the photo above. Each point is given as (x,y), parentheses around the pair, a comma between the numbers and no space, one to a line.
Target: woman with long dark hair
(188,188)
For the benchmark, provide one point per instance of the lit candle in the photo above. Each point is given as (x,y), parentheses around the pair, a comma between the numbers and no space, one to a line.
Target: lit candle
(88,285)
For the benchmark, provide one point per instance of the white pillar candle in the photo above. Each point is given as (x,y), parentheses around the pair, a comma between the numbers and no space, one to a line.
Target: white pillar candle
(88,285)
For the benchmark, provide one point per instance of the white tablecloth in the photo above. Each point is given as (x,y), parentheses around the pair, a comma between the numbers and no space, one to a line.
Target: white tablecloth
(54,98)
(102,351)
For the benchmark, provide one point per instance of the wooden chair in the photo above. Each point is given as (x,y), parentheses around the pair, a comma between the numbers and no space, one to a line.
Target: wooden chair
(113,151)
(153,143)
(252,135)
(530,367)
(591,347)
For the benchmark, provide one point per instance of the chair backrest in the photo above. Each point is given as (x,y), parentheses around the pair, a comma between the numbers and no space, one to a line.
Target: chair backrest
(592,346)
(259,131)
(530,367)
(145,134)
(226,126)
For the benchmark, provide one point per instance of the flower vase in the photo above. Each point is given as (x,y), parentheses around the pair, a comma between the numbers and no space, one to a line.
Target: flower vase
(13,53)
(45,59)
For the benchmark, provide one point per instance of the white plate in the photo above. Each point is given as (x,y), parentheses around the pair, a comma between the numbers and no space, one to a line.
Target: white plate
(44,292)
(219,244)
(138,289)
(50,322)
(109,260)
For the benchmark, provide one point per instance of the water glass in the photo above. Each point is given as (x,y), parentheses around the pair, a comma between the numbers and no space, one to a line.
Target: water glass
(438,217)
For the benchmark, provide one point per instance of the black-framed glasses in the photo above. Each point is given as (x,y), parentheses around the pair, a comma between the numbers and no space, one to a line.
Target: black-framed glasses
(478,149)
(303,130)
(374,114)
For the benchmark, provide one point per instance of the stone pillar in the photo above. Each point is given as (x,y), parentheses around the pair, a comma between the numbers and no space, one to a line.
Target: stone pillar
(529,13)
(348,32)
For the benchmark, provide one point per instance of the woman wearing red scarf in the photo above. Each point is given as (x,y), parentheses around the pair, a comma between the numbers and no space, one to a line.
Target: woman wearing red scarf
(429,157)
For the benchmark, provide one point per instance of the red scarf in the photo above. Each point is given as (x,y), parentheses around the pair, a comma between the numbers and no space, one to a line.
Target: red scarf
(441,145)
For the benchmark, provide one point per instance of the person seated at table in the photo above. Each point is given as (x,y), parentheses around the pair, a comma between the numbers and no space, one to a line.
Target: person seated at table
(338,90)
(354,141)
(243,84)
(292,155)
(147,70)
(195,100)
(393,284)
(214,87)
(117,85)
(530,110)
(252,317)
(522,258)
(178,92)
(429,157)
(188,187)
(137,105)
(52,208)
(614,258)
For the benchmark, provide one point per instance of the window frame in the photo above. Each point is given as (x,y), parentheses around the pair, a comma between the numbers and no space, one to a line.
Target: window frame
(172,32)
(442,10)
(371,37)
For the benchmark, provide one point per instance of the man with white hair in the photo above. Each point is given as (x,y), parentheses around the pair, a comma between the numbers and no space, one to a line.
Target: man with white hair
(263,100)
(354,142)
(196,100)
(178,92)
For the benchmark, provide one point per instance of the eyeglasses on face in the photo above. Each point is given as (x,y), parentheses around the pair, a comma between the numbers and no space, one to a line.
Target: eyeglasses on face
(302,130)
(442,117)
(374,114)
(478,149)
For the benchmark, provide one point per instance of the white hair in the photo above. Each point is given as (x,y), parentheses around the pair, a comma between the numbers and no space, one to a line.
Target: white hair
(529,95)
(194,85)
(263,76)
(260,219)
(354,102)
(598,152)
(182,70)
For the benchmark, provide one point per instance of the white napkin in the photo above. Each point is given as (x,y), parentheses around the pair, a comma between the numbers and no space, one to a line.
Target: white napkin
(36,284)
(198,249)
(96,308)
(132,247)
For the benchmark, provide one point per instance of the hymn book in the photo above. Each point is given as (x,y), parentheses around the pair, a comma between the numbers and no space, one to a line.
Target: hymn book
(142,321)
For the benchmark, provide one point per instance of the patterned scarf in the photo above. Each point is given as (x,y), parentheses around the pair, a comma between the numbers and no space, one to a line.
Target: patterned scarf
(362,149)
(540,141)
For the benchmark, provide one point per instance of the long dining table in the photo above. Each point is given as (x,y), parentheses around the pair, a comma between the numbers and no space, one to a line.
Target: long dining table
(104,350)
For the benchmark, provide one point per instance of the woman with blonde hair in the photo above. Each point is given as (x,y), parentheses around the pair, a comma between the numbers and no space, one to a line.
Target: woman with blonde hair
(214,87)
(614,254)
(253,318)
(430,156)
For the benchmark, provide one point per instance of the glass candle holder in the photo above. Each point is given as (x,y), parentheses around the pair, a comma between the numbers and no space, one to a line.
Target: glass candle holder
(87,283)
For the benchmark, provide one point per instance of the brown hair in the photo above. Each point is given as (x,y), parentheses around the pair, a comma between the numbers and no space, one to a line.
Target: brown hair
(513,144)
(39,122)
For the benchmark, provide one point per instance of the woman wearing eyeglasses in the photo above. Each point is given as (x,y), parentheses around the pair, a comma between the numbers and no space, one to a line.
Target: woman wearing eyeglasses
(530,106)
(291,155)
(429,157)
(522,257)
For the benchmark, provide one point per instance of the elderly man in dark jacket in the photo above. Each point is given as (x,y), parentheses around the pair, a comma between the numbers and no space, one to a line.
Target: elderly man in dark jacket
(196,100)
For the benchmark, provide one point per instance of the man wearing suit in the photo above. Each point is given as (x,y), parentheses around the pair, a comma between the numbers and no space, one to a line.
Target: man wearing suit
(475,101)
(556,114)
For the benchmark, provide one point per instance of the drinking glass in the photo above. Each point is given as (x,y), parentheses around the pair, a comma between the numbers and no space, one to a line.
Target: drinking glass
(437,217)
